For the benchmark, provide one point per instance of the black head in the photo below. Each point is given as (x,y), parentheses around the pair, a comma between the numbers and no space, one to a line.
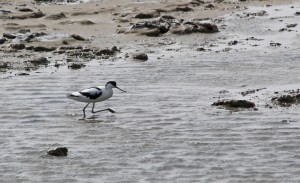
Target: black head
(112,83)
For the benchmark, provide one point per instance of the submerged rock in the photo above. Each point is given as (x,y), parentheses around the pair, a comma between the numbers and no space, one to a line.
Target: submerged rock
(140,56)
(60,151)
(76,66)
(17,46)
(234,103)
(77,37)
(40,61)
(286,100)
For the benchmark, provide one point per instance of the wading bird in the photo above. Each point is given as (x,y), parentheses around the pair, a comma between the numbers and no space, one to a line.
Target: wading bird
(95,94)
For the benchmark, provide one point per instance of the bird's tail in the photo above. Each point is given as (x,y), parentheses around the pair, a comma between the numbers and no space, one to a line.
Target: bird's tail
(70,95)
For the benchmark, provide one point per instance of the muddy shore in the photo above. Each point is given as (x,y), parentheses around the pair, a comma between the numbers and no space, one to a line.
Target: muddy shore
(73,33)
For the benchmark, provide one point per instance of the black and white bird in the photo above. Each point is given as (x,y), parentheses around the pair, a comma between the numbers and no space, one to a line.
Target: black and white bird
(95,94)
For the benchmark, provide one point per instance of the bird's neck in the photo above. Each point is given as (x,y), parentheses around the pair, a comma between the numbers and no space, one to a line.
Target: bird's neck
(108,87)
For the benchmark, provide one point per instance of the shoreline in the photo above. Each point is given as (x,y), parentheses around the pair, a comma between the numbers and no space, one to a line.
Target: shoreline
(79,32)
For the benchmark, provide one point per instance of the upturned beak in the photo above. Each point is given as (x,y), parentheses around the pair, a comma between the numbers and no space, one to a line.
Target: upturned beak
(121,89)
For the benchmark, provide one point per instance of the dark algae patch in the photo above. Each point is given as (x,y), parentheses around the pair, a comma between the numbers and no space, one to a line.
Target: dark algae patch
(234,103)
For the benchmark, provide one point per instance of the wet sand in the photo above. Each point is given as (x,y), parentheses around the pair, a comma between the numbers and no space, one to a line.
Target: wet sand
(96,25)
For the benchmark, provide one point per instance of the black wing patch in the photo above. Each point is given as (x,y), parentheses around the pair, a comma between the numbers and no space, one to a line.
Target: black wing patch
(92,93)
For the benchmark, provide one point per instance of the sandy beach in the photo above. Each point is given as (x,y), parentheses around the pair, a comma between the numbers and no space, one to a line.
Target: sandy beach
(99,25)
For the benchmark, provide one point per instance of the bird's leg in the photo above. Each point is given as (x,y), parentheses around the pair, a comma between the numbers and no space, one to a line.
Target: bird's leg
(84,110)
(108,109)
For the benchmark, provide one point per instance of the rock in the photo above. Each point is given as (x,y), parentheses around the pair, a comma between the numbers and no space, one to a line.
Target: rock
(9,36)
(38,14)
(77,37)
(154,28)
(39,61)
(297,13)
(107,51)
(286,100)
(23,74)
(3,65)
(17,46)
(275,44)
(232,43)
(43,49)
(183,8)
(200,49)
(60,151)
(195,27)
(151,33)
(169,17)
(85,22)
(25,10)
(55,16)
(76,65)
(234,103)
(2,40)
(140,56)
(291,25)
(260,13)
(153,14)
(210,6)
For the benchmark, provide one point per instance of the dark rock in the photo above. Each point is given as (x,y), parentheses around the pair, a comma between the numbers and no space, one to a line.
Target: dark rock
(275,44)
(9,36)
(153,14)
(291,25)
(56,16)
(2,40)
(60,151)
(39,61)
(4,65)
(297,13)
(25,10)
(38,14)
(260,13)
(234,103)
(17,46)
(140,56)
(77,37)
(183,8)
(107,51)
(65,42)
(200,49)
(23,74)
(210,6)
(286,100)
(43,49)
(85,22)
(233,43)
(151,32)
(154,28)
(70,48)
(169,17)
(76,66)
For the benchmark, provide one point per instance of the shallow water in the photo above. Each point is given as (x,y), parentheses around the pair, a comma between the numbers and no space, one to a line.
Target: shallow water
(165,129)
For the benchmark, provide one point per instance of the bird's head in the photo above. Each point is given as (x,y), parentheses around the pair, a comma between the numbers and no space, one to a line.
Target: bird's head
(113,84)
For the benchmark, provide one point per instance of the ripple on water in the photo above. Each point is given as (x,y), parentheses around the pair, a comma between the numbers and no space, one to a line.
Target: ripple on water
(164,130)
